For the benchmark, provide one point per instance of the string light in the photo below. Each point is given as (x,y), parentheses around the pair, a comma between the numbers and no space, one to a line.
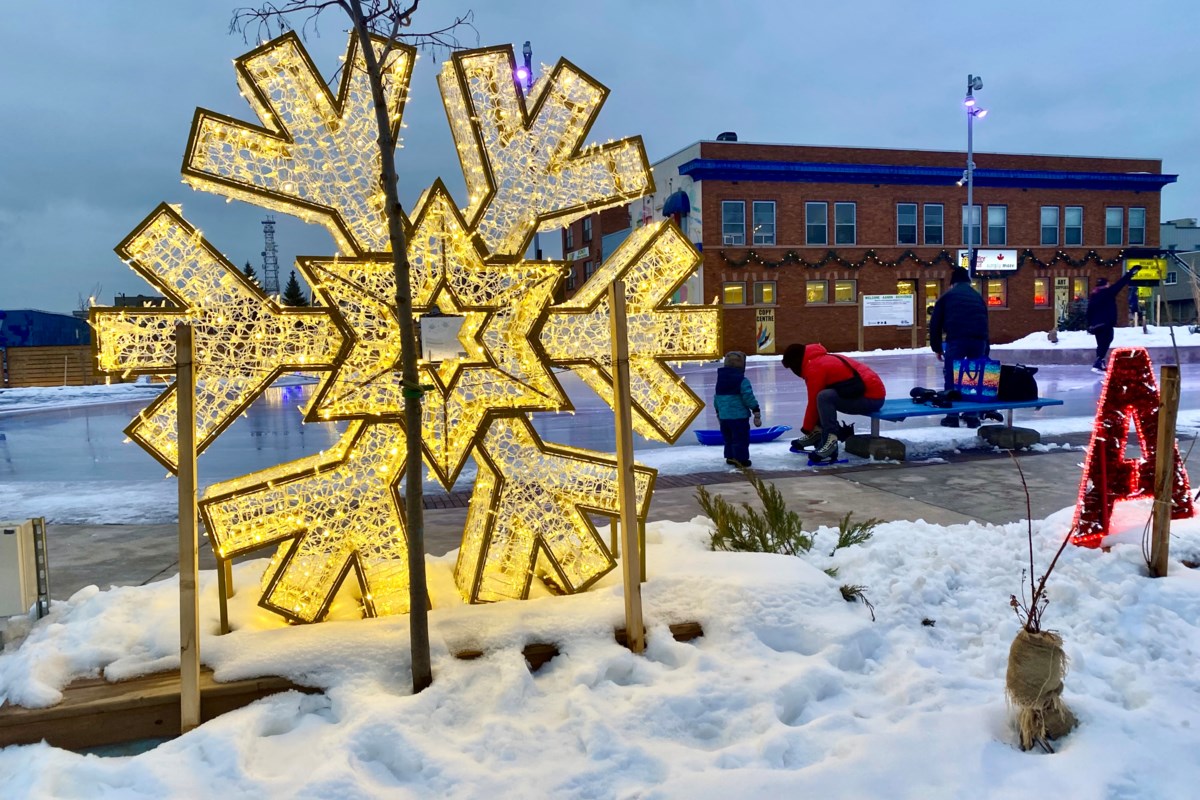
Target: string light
(1129,393)
(315,157)
(943,257)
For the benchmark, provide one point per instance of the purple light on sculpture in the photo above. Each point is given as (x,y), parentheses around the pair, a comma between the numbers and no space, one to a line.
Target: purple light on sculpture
(522,75)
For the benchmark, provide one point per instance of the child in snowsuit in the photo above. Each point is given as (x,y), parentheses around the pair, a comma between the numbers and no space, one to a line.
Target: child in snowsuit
(735,403)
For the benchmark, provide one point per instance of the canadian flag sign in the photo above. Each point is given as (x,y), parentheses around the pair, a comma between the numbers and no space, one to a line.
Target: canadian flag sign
(1130,394)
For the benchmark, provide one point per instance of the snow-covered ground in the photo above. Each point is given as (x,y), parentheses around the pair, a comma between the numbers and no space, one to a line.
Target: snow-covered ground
(791,691)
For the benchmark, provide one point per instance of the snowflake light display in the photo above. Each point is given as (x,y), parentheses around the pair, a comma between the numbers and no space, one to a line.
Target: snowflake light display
(314,156)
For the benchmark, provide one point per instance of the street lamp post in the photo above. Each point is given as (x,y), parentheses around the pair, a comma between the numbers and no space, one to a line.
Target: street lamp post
(974,84)
(525,74)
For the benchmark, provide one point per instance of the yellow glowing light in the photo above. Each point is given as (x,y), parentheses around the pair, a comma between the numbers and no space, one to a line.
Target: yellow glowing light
(316,157)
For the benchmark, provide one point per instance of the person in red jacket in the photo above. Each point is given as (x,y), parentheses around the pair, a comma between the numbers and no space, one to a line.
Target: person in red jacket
(835,383)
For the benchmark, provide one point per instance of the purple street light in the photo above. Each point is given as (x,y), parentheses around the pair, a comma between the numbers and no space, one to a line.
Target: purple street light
(522,75)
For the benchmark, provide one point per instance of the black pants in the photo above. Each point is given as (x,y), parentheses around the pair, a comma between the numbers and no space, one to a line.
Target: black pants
(1104,337)
(736,433)
(829,403)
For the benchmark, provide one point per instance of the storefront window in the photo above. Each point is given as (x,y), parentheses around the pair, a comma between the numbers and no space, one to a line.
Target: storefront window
(734,294)
(845,292)
(764,293)
(816,292)
(996,292)
(1041,292)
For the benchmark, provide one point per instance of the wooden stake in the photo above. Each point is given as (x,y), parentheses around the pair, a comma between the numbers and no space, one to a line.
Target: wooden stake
(861,336)
(224,592)
(631,561)
(1164,470)
(189,562)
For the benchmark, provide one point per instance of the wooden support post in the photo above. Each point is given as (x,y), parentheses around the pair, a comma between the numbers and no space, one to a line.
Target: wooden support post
(224,592)
(631,561)
(861,337)
(189,563)
(1164,470)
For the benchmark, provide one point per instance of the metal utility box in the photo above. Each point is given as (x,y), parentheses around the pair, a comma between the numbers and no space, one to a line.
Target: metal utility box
(23,571)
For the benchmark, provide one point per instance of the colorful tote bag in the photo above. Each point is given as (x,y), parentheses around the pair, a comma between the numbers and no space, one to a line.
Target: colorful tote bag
(977,378)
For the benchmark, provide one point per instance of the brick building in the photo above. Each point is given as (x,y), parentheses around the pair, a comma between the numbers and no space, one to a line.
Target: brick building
(793,235)
(583,244)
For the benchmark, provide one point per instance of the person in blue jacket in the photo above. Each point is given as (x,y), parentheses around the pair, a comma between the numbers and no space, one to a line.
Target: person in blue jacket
(735,403)
(962,317)
(1102,313)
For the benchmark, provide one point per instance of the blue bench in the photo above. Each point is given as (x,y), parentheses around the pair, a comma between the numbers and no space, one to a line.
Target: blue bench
(1005,436)
(900,410)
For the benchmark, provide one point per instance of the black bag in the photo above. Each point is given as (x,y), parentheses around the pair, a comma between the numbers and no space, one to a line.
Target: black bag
(1017,382)
(852,388)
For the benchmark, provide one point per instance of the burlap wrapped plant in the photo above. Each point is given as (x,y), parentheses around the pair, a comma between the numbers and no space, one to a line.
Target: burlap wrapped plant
(1034,685)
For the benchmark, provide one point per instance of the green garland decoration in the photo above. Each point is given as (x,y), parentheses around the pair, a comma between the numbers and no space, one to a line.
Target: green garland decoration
(943,257)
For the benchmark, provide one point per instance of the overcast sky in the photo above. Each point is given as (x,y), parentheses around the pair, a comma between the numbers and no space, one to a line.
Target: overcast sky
(98,99)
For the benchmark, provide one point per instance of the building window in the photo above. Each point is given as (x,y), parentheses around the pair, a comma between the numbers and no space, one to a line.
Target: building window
(587,230)
(1049,225)
(1171,278)
(1137,226)
(906,287)
(571,279)
(733,222)
(816,292)
(764,221)
(996,292)
(997,225)
(764,293)
(1041,289)
(933,290)
(933,223)
(1114,224)
(906,223)
(816,223)
(1073,225)
(1079,288)
(734,294)
(570,238)
(845,292)
(844,216)
(588,269)
(971,231)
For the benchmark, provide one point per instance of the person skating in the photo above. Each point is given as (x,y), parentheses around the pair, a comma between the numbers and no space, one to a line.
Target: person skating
(735,403)
(1102,314)
(961,317)
(835,383)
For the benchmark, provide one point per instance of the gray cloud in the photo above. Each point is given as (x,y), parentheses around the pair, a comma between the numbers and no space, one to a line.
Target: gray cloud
(94,128)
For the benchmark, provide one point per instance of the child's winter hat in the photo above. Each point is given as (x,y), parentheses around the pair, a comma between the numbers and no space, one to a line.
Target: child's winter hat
(735,359)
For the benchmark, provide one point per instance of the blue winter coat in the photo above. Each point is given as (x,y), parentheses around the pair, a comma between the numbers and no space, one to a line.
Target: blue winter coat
(734,396)
(960,313)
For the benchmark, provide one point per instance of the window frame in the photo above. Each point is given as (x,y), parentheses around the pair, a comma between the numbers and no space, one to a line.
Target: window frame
(1170,277)
(570,282)
(588,270)
(1043,227)
(741,237)
(941,224)
(853,301)
(809,224)
(587,230)
(1076,281)
(758,295)
(570,236)
(1110,229)
(1003,238)
(1141,238)
(754,234)
(726,286)
(1047,292)
(1068,227)
(838,227)
(975,222)
(809,285)
(914,225)
(987,291)
(930,300)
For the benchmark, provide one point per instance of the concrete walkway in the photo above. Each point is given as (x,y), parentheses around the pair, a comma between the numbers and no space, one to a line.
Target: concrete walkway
(981,486)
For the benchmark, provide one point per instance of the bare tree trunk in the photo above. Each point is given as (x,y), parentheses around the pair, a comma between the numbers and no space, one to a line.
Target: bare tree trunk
(418,618)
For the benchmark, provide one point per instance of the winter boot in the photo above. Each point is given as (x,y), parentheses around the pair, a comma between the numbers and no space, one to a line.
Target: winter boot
(950,421)
(828,451)
(810,439)
(970,420)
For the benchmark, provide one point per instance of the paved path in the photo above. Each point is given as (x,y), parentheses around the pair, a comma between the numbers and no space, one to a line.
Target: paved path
(975,486)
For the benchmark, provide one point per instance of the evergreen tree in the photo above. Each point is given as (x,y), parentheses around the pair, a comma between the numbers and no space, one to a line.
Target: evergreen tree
(293,295)
(251,274)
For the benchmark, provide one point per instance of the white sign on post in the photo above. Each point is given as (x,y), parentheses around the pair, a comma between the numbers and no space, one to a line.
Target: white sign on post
(439,337)
(888,309)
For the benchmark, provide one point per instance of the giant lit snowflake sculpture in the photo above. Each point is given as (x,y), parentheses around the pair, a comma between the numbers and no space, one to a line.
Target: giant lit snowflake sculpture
(526,167)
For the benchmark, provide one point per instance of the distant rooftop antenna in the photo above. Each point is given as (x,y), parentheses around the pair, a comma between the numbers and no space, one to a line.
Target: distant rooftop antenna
(270,256)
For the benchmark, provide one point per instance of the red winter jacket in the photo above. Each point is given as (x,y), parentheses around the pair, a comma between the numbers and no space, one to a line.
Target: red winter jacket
(819,369)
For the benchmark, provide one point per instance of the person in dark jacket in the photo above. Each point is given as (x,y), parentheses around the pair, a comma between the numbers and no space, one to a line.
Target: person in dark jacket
(735,403)
(822,371)
(1102,314)
(961,317)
